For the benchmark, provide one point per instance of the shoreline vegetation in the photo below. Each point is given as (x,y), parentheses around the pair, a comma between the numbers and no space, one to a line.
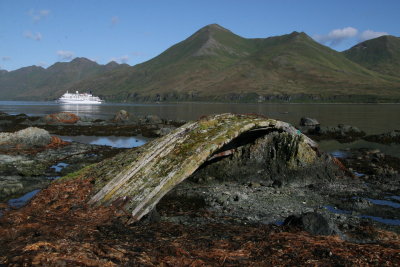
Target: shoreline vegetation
(234,100)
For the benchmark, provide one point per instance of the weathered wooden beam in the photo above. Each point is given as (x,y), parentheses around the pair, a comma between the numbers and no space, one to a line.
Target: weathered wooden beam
(167,161)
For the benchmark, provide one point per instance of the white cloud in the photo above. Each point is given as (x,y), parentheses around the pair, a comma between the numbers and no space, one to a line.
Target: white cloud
(368,34)
(114,20)
(34,36)
(122,59)
(65,55)
(5,58)
(37,15)
(336,36)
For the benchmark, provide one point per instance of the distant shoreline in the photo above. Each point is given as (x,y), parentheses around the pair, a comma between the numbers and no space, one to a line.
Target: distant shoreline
(215,102)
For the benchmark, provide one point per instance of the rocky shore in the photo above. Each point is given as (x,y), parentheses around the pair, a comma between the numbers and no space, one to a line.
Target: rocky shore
(63,123)
(241,208)
(31,158)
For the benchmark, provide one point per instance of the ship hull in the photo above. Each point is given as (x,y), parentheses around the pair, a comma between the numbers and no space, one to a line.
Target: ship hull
(62,101)
(78,98)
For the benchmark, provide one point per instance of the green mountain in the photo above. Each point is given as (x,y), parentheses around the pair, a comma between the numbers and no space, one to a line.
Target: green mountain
(215,64)
(381,54)
(37,83)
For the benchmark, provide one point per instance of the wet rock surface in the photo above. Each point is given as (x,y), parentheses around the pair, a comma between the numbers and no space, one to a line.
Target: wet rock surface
(31,158)
(385,138)
(342,133)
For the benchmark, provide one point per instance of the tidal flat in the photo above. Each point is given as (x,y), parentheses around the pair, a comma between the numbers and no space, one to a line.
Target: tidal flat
(233,210)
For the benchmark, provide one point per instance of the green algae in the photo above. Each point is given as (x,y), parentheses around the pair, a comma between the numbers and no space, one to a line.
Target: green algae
(79,174)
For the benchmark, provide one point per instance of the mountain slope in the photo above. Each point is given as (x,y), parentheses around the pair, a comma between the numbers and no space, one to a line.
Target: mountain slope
(37,83)
(17,82)
(381,54)
(215,64)
(218,65)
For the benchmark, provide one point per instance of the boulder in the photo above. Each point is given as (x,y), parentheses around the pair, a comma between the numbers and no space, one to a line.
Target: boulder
(341,133)
(26,138)
(121,116)
(272,158)
(312,222)
(304,121)
(152,119)
(61,117)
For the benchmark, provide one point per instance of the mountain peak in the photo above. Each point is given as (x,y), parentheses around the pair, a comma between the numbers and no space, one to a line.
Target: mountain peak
(112,63)
(216,26)
(82,60)
(299,35)
(211,29)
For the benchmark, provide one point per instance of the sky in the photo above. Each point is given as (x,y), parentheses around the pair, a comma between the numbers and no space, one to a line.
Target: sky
(42,32)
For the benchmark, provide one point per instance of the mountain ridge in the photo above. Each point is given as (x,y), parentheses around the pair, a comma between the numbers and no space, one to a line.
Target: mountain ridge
(381,54)
(214,64)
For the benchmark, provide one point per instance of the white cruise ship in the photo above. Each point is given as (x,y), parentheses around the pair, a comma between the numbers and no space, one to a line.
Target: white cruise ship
(77,98)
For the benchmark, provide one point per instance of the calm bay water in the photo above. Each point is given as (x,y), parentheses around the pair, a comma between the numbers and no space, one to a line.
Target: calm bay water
(371,118)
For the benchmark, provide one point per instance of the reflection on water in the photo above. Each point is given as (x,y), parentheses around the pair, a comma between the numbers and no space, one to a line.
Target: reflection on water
(114,141)
(384,202)
(375,218)
(59,166)
(81,110)
(21,201)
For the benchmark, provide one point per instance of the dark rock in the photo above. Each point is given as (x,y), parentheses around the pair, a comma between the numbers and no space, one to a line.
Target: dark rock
(385,138)
(304,121)
(274,158)
(152,119)
(312,222)
(153,216)
(342,133)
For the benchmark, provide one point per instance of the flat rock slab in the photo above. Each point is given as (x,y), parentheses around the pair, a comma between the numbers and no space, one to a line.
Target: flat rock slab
(141,181)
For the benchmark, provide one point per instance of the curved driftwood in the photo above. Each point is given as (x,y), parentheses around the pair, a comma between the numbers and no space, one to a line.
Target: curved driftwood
(167,161)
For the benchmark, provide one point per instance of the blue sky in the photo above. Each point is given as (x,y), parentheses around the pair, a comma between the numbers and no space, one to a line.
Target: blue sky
(44,32)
